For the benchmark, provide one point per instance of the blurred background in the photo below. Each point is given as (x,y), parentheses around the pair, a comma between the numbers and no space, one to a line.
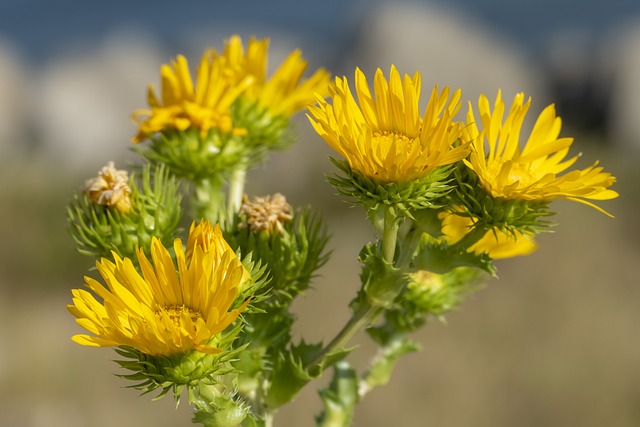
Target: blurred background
(553,342)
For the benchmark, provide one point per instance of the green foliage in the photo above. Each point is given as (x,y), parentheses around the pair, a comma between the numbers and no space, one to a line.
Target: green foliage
(508,216)
(292,258)
(426,193)
(173,373)
(340,398)
(294,367)
(190,155)
(382,366)
(442,258)
(381,281)
(265,132)
(427,294)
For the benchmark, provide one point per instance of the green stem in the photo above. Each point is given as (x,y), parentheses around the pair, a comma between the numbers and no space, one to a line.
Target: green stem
(209,200)
(268,419)
(359,320)
(366,312)
(382,366)
(389,236)
(236,190)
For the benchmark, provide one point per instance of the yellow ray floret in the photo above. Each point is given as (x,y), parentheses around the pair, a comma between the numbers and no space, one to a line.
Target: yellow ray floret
(168,309)
(183,104)
(495,243)
(284,93)
(385,137)
(531,173)
(210,239)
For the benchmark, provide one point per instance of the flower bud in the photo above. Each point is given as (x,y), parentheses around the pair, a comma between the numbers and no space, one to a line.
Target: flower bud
(114,215)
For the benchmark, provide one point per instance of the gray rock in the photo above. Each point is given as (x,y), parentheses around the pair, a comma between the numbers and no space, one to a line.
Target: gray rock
(448,48)
(621,58)
(85,99)
(15,91)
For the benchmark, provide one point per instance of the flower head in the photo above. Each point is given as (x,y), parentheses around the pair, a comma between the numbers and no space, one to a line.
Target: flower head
(267,213)
(166,310)
(386,138)
(183,104)
(110,188)
(284,93)
(530,173)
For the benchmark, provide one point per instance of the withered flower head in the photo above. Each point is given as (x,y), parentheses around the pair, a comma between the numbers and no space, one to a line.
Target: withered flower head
(267,213)
(110,188)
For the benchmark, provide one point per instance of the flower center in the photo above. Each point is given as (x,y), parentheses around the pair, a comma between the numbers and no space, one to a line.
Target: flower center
(395,141)
(175,313)
(517,173)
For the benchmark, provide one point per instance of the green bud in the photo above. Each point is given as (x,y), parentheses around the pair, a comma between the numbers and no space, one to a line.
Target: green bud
(291,245)
(154,211)
(216,407)
(427,294)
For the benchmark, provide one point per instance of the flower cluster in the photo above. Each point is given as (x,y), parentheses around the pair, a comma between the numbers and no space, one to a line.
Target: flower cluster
(213,315)
(489,201)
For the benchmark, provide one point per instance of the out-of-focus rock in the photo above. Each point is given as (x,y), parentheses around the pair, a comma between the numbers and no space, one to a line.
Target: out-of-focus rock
(84,101)
(448,48)
(14,100)
(621,56)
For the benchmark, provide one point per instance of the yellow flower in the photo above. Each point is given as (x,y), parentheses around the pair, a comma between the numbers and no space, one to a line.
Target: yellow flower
(165,310)
(110,188)
(282,94)
(530,173)
(205,105)
(495,243)
(385,138)
(210,239)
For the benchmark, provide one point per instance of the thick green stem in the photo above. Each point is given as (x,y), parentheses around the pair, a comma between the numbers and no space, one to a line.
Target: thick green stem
(209,200)
(236,190)
(389,236)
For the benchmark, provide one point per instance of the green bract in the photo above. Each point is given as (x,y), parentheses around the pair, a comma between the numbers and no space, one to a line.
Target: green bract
(155,212)
(507,215)
(425,193)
